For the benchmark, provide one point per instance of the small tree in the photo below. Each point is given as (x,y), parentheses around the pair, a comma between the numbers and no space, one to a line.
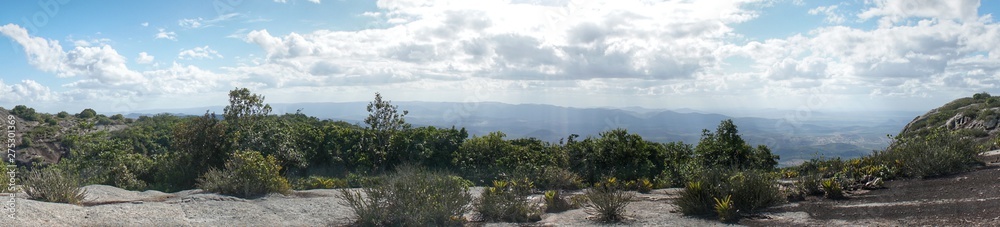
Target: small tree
(384,121)
(725,148)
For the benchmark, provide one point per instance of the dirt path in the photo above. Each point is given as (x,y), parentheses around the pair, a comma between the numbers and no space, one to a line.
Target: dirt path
(967,199)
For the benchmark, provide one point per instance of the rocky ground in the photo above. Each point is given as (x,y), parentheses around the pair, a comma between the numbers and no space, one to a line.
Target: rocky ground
(968,199)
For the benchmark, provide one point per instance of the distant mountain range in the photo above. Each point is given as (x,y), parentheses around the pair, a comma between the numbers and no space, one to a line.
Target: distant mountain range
(828,135)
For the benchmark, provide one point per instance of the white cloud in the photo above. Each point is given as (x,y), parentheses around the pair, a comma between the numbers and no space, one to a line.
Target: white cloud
(830,12)
(201,23)
(145,24)
(199,53)
(163,34)
(26,91)
(898,10)
(144,58)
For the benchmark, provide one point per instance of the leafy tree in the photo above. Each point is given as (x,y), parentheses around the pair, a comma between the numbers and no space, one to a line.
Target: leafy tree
(616,153)
(196,145)
(482,158)
(249,127)
(103,160)
(725,148)
(87,113)
(384,122)
(117,117)
(62,114)
(22,111)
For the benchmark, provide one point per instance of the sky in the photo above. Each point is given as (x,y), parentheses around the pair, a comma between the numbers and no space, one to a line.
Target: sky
(854,55)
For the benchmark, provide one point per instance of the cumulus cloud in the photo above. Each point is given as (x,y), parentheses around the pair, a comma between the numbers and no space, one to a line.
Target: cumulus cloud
(26,91)
(575,40)
(204,52)
(830,12)
(145,24)
(102,73)
(898,10)
(144,58)
(163,34)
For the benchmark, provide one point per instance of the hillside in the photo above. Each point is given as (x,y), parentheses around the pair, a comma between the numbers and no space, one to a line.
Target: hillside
(976,117)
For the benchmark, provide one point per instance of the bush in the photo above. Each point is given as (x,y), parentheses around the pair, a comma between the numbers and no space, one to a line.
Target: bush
(410,197)
(809,185)
(727,212)
(694,200)
(62,114)
(833,189)
(555,202)
(553,178)
(938,153)
(609,200)
(53,185)
(643,185)
(6,182)
(750,191)
(247,174)
(317,182)
(507,201)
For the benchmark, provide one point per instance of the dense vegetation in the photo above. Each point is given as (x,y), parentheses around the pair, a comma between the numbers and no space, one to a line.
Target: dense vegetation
(247,152)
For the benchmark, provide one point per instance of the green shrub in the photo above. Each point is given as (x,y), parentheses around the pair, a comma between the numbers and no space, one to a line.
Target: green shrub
(53,185)
(247,174)
(555,202)
(832,189)
(750,191)
(507,201)
(726,210)
(410,197)
(6,182)
(694,200)
(643,185)
(317,182)
(553,178)
(62,114)
(938,153)
(609,200)
(809,185)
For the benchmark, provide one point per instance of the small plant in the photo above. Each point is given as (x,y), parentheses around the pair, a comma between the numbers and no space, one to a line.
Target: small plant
(609,200)
(694,199)
(317,182)
(644,185)
(507,201)
(809,185)
(553,178)
(410,197)
(833,189)
(725,209)
(555,202)
(53,185)
(247,174)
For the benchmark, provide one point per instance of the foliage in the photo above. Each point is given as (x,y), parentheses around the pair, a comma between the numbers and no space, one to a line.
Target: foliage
(53,185)
(609,199)
(725,148)
(555,178)
(809,185)
(694,200)
(555,202)
(938,153)
(7,182)
(62,114)
(87,114)
(101,160)
(317,182)
(384,122)
(23,112)
(832,189)
(507,201)
(726,210)
(247,174)
(197,144)
(616,153)
(410,197)
(643,185)
(751,190)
